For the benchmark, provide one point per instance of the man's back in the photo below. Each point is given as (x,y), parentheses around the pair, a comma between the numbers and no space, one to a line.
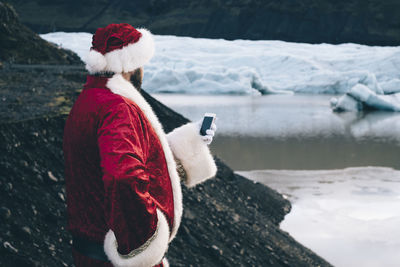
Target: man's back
(114,165)
(82,162)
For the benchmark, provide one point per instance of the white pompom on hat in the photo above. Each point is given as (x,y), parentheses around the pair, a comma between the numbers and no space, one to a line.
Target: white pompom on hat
(119,48)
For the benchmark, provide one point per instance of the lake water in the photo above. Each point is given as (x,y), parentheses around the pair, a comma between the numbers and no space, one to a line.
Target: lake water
(294,132)
(340,171)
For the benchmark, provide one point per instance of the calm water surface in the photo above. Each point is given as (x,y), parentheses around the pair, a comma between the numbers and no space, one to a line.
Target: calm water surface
(294,132)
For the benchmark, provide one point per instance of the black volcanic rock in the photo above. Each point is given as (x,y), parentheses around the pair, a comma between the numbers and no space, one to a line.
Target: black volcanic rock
(372,22)
(19,44)
(36,90)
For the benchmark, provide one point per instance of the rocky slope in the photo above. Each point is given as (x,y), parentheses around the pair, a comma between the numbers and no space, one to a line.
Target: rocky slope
(372,22)
(19,44)
(227,221)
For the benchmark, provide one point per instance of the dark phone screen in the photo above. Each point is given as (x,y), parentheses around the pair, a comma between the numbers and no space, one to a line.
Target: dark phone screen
(206,125)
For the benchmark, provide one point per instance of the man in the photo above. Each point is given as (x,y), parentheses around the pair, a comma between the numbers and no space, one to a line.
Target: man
(124,197)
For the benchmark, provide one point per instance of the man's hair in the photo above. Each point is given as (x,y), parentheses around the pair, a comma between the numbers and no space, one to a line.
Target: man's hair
(136,78)
(105,74)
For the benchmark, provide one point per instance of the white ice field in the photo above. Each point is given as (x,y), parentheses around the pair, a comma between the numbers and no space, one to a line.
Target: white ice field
(208,66)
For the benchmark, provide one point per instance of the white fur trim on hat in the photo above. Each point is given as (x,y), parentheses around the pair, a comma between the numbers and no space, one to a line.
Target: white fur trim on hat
(95,60)
(126,59)
(149,255)
(194,154)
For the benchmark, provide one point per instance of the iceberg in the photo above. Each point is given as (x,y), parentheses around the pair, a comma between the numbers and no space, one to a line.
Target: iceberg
(361,97)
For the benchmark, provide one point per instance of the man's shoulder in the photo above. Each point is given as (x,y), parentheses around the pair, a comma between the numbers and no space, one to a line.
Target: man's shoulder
(108,101)
(100,98)
(103,102)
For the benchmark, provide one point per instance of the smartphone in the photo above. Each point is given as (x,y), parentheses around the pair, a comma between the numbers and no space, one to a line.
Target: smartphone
(208,119)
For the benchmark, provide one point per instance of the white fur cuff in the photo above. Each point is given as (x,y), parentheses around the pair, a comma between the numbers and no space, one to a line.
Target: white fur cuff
(194,154)
(146,256)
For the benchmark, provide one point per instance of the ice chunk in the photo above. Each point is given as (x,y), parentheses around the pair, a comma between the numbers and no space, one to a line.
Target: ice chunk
(360,97)
(346,103)
(391,86)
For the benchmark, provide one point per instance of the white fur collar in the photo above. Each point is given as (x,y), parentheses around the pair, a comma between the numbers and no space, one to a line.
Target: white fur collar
(118,85)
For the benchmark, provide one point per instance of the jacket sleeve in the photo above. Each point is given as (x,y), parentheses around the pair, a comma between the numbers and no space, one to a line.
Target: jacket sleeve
(192,154)
(138,232)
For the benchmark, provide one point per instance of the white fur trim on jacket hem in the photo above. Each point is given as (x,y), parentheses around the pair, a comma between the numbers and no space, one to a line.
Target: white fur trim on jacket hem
(151,255)
(193,153)
(118,85)
(125,59)
(165,262)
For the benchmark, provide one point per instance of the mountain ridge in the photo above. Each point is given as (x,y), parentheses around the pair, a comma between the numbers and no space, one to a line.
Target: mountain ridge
(312,21)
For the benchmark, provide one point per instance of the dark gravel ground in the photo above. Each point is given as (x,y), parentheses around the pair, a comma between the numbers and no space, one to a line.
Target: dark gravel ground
(28,91)
(227,221)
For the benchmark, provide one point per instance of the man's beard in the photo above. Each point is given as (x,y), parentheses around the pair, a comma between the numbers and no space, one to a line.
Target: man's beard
(136,79)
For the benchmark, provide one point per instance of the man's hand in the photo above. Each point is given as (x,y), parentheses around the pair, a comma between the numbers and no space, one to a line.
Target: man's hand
(191,149)
(208,138)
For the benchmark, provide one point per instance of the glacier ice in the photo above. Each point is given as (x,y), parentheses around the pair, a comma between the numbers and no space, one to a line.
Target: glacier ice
(215,66)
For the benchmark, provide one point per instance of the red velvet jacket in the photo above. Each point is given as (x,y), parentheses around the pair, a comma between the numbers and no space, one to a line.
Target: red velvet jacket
(121,179)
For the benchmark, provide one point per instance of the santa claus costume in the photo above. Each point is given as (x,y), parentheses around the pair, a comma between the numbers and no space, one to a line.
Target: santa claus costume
(124,197)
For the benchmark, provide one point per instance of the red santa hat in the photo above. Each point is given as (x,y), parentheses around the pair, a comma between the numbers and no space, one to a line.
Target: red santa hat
(119,48)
